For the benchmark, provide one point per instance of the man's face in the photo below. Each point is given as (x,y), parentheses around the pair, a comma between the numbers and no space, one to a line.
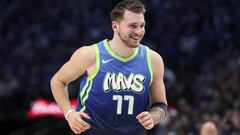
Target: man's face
(131,28)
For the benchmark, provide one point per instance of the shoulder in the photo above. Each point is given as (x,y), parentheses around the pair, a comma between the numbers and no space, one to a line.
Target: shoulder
(155,57)
(84,55)
(157,61)
(85,51)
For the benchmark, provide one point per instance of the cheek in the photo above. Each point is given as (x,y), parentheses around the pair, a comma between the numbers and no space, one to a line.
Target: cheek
(131,32)
(143,31)
(127,32)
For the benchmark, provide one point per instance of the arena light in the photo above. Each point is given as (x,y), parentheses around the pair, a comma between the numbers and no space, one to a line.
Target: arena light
(45,108)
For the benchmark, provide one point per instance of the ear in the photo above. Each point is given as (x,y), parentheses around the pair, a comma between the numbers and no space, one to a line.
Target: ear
(115,26)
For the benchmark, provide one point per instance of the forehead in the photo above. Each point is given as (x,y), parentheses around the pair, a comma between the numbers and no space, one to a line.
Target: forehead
(131,17)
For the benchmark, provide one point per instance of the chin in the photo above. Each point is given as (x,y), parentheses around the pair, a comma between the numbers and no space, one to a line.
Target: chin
(133,45)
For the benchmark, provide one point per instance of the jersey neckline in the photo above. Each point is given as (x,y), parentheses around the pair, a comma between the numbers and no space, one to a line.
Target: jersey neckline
(123,59)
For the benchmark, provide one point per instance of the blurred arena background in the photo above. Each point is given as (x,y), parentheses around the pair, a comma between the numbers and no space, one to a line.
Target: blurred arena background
(198,40)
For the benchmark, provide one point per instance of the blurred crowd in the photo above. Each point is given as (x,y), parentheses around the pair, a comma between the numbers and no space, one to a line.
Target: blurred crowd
(198,40)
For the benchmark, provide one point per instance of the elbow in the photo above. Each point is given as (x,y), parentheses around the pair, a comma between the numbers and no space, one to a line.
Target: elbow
(55,81)
(52,81)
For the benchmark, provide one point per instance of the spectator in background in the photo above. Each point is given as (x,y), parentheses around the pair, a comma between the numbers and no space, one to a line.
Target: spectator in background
(208,128)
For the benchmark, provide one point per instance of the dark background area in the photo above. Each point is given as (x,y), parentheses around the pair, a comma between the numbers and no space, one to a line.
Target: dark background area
(199,42)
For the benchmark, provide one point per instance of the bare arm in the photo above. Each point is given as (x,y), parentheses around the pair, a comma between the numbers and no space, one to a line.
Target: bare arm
(157,94)
(81,61)
(157,91)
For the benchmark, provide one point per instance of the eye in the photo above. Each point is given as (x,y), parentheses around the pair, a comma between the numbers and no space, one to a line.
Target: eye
(142,26)
(133,26)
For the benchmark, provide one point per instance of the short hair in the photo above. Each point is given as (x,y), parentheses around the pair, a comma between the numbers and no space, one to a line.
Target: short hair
(135,6)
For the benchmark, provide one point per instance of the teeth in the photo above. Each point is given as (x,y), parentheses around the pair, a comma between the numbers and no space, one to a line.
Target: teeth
(135,38)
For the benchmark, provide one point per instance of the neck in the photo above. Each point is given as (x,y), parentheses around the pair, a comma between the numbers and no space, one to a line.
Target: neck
(120,48)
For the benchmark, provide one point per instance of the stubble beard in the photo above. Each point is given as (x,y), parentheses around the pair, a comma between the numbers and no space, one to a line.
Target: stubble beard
(126,41)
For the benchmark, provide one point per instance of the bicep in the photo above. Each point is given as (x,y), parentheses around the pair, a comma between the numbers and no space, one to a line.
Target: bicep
(157,89)
(68,72)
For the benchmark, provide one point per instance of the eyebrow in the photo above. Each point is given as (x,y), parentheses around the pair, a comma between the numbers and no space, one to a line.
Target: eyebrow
(136,23)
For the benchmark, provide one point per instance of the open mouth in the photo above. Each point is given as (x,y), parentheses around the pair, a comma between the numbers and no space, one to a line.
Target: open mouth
(135,38)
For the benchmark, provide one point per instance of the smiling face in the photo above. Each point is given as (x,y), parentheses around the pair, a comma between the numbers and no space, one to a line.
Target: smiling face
(130,29)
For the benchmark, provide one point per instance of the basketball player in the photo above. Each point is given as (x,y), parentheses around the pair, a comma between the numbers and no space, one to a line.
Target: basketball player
(122,90)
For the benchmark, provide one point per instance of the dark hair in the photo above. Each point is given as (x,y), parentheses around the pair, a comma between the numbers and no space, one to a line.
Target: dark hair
(132,5)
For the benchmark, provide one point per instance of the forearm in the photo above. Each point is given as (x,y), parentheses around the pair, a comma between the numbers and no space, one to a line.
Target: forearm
(157,114)
(60,95)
